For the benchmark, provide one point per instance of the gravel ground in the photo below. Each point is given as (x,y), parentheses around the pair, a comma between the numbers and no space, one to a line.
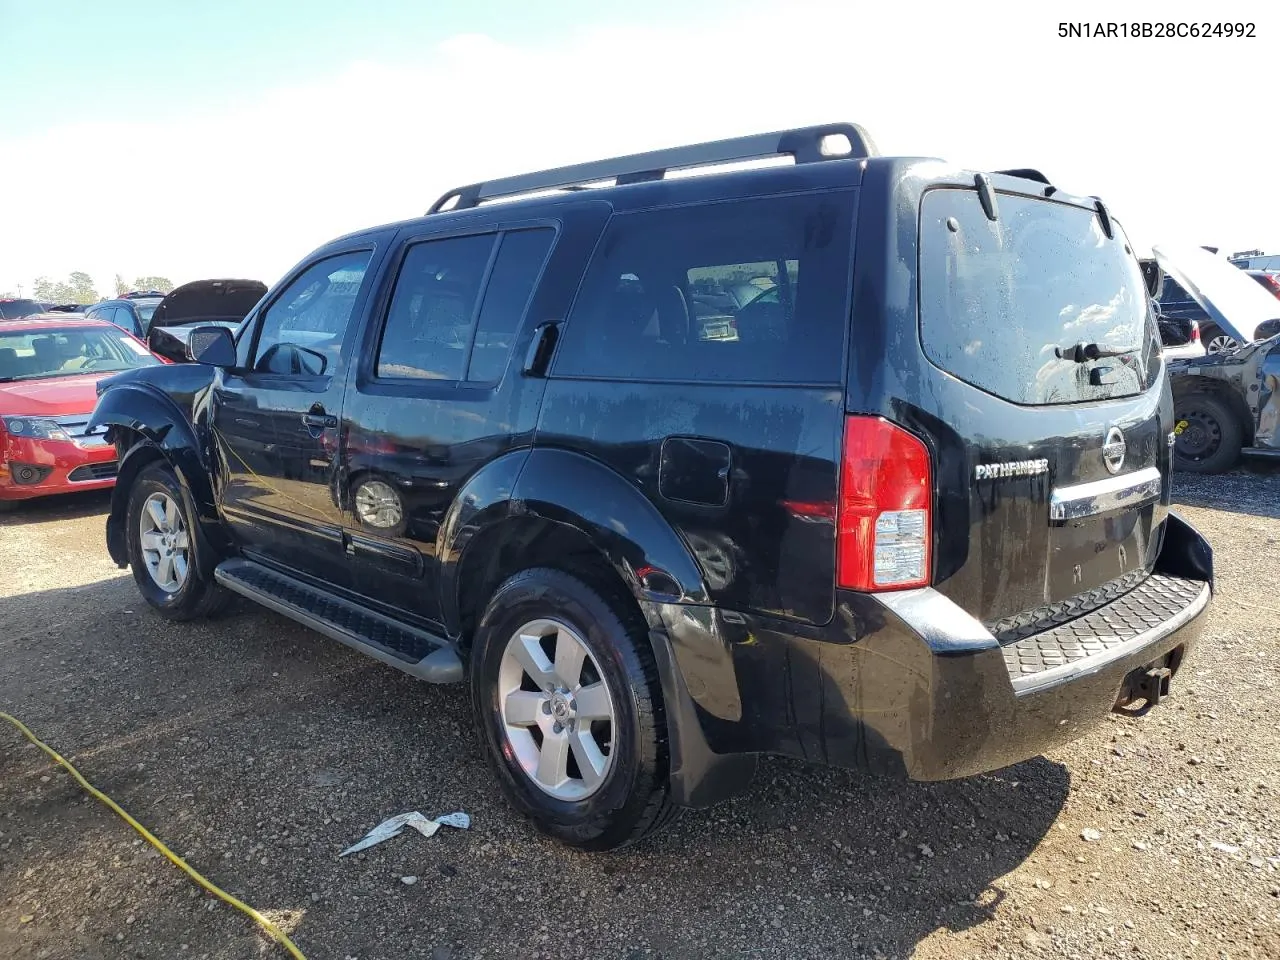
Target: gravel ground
(259,750)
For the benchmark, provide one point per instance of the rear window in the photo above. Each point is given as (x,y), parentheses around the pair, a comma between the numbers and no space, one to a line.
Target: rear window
(15,309)
(747,291)
(999,298)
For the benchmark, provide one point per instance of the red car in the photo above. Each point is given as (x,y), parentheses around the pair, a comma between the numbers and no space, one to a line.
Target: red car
(49,370)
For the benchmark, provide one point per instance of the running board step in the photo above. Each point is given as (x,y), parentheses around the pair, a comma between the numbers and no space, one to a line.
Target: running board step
(417,652)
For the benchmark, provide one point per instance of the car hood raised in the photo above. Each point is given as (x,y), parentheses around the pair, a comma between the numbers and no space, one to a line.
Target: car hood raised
(50,397)
(1235,301)
(200,300)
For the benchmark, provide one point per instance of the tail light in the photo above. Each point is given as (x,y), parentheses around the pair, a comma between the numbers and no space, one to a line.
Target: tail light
(1195,331)
(1271,282)
(884,519)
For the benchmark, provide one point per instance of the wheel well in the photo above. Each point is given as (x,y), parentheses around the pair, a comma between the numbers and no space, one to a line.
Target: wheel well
(125,440)
(1192,386)
(519,544)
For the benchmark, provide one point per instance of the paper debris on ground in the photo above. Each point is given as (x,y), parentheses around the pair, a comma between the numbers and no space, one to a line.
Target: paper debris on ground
(424,825)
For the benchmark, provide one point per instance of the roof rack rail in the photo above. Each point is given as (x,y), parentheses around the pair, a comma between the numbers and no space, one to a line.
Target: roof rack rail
(805,144)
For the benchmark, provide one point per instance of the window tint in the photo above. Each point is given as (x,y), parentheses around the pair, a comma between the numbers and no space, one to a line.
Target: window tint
(998,299)
(520,260)
(428,329)
(751,290)
(302,330)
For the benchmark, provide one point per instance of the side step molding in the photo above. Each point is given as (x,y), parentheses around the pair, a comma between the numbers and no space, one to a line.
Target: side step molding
(417,652)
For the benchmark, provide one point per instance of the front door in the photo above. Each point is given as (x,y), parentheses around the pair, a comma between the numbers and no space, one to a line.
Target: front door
(441,396)
(276,422)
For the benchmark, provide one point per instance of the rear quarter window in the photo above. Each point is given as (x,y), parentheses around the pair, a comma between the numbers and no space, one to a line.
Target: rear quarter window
(741,291)
(999,298)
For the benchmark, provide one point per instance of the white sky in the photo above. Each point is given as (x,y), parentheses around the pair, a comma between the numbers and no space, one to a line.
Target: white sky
(1181,138)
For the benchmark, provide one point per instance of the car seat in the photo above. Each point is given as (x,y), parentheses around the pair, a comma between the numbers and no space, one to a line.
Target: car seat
(48,357)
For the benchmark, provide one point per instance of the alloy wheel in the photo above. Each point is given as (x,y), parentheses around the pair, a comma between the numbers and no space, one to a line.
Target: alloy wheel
(556,709)
(162,534)
(1220,344)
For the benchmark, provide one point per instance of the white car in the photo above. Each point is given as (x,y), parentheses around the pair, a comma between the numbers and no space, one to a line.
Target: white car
(1180,339)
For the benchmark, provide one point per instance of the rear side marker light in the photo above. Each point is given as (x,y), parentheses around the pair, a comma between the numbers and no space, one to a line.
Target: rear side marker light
(884,527)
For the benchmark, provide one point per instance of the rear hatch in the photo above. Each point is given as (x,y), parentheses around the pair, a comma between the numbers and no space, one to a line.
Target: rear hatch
(1043,394)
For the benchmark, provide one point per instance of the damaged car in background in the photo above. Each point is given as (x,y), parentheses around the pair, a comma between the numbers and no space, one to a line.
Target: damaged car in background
(1225,404)
(222,303)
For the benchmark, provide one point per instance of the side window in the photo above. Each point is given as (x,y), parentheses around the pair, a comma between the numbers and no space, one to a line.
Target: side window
(122,317)
(753,290)
(301,332)
(433,308)
(520,258)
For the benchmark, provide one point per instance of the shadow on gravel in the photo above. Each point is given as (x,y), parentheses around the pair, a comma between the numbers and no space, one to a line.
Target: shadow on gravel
(1253,488)
(249,729)
(71,506)
(894,861)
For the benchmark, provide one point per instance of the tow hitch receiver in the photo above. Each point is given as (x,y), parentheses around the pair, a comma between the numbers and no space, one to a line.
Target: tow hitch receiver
(1149,683)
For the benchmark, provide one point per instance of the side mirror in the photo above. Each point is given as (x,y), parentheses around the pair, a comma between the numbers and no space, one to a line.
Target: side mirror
(212,346)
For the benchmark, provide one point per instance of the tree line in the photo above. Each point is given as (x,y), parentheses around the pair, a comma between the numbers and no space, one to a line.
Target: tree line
(80,288)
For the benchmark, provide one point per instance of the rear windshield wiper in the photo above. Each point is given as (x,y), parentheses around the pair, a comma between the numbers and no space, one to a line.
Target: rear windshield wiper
(1082,352)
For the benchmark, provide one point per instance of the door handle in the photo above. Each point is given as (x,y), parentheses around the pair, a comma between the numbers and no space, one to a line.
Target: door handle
(538,356)
(319,421)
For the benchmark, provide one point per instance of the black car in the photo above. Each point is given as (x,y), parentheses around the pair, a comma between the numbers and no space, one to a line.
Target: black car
(199,303)
(132,313)
(910,513)
(12,308)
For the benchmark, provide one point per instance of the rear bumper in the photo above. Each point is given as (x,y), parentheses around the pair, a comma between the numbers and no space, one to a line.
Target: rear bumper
(985,708)
(909,684)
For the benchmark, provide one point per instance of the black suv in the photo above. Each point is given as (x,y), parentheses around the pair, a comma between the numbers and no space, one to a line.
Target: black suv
(903,509)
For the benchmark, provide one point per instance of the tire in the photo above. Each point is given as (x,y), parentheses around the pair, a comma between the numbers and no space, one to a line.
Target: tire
(1209,434)
(631,798)
(193,595)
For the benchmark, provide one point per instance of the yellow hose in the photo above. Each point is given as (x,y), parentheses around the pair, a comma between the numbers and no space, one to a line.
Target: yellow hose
(267,925)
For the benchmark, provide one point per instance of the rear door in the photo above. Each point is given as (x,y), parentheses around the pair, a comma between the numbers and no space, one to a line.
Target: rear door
(1045,374)
(441,393)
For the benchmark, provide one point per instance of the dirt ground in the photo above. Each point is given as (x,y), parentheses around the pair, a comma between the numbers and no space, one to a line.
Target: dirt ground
(259,750)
